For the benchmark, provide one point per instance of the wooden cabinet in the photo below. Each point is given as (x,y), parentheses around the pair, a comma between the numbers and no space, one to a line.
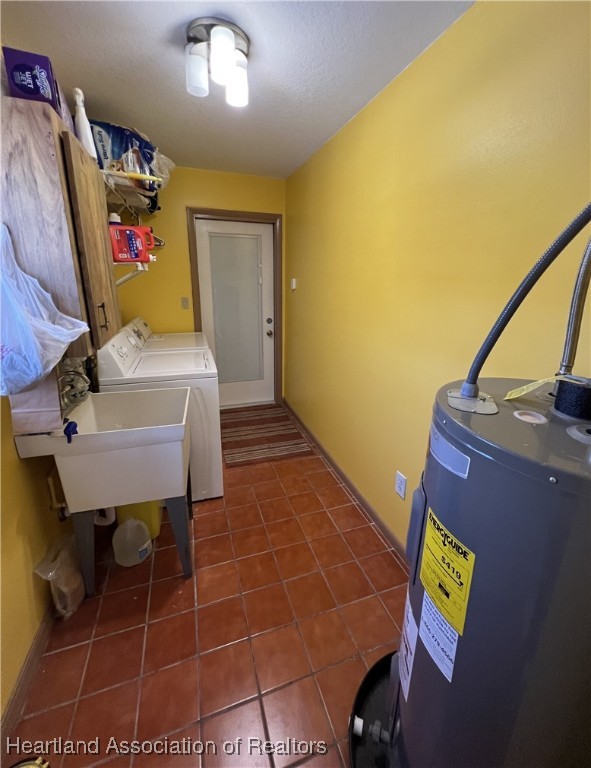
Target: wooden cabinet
(53,202)
(36,208)
(88,196)
(54,205)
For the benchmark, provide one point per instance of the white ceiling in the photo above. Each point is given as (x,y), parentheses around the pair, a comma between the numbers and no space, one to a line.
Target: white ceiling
(312,67)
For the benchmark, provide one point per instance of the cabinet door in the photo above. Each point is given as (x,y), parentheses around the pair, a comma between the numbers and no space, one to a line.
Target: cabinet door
(87,190)
(36,206)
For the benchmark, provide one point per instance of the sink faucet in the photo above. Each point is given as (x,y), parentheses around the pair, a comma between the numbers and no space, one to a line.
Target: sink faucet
(74,391)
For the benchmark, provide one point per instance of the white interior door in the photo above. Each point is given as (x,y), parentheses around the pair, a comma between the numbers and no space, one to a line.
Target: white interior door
(235,262)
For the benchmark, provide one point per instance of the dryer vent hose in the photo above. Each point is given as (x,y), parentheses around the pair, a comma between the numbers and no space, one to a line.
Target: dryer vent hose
(470,386)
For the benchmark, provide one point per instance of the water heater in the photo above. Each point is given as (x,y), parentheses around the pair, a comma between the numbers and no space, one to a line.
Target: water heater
(495,660)
(494,664)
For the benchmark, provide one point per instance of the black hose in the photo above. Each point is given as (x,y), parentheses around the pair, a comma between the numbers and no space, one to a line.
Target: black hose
(470,386)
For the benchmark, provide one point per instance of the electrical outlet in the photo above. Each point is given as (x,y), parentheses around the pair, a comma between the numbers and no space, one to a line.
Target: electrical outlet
(184,302)
(400,485)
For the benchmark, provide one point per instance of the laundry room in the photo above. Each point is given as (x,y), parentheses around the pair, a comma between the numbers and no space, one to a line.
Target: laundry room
(309,528)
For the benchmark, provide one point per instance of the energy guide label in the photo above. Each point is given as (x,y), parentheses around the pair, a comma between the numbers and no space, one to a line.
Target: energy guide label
(446,572)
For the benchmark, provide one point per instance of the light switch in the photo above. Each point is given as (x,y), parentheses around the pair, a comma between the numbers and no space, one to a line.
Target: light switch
(184,302)
(293,283)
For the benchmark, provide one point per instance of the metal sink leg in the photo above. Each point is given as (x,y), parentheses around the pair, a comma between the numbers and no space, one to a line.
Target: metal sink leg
(84,532)
(179,512)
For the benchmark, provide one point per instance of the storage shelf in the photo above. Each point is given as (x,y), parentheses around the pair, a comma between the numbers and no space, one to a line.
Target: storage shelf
(121,192)
(139,270)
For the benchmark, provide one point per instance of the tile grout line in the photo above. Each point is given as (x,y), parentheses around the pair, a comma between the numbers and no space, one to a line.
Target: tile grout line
(258,696)
(193,522)
(144,645)
(90,643)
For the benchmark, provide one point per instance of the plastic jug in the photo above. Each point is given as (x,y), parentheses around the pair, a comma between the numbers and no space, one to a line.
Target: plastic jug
(132,543)
(131,244)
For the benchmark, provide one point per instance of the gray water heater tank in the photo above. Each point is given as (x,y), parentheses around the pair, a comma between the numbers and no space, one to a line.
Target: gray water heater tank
(495,658)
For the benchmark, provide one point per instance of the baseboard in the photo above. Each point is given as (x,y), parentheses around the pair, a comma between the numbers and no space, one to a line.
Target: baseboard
(12,713)
(397,546)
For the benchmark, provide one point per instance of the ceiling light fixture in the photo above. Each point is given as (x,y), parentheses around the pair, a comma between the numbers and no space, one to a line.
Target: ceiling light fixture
(219,49)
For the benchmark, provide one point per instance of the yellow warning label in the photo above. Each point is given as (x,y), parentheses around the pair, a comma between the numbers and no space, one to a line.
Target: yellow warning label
(446,572)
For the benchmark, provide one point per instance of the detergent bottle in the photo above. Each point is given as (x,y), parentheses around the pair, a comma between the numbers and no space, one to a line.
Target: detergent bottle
(131,244)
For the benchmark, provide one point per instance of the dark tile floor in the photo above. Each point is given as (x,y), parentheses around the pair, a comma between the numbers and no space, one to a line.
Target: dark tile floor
(295,595)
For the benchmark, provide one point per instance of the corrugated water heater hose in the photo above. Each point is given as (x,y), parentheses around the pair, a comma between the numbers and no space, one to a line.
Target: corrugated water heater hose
(575,316)
(470,386)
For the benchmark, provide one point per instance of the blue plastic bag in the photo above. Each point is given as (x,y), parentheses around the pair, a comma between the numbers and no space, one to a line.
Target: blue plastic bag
(34,334)
(114,143)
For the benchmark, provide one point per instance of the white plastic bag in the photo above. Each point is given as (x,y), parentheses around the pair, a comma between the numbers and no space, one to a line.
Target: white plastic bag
(34,334)
(60,568)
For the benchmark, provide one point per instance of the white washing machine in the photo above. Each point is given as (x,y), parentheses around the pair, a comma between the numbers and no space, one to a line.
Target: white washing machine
(165,342)
(122,366)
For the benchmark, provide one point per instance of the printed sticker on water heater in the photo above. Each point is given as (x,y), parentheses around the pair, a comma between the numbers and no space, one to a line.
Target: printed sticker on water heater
(439,637)
(408,644)
(447,566)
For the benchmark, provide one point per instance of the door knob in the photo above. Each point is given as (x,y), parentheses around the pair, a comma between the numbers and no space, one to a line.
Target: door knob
(269,332)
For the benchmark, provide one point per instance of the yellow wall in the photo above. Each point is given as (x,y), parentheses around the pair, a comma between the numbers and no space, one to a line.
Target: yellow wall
(27,528)
(156,295)
(411,228)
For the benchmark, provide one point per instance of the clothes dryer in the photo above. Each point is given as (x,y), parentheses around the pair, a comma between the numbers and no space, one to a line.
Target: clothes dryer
(122,366)
(164,342)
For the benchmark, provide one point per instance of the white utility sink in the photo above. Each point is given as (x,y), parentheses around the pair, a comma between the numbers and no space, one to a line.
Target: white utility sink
(130,447)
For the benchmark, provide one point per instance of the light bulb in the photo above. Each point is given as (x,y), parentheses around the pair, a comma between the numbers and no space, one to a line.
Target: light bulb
(196,69)
(237,86)
(222,54)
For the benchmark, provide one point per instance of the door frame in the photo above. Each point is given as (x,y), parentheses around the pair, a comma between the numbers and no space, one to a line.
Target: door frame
(250,217)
